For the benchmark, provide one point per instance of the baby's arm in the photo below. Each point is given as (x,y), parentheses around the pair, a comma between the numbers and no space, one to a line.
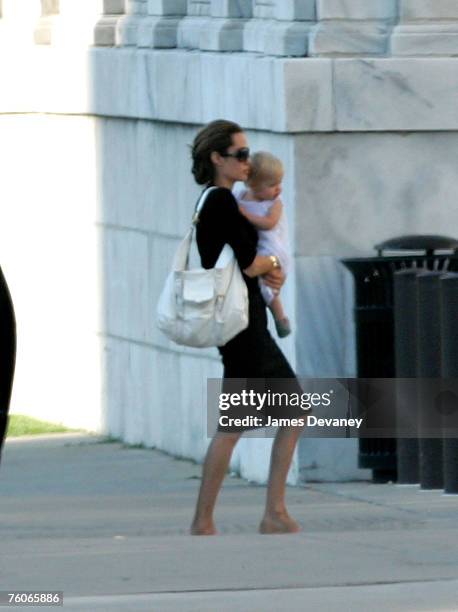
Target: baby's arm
(269,221)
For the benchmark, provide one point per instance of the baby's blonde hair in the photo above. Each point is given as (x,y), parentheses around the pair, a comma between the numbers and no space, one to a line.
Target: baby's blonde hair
(264,167)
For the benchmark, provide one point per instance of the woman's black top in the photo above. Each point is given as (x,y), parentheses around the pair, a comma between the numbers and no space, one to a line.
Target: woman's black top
(253,352)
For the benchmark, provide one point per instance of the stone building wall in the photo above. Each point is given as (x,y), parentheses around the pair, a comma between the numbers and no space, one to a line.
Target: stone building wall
(99,100)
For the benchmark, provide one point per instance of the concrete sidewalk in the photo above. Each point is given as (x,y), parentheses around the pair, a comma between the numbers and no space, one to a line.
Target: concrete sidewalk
(108,526)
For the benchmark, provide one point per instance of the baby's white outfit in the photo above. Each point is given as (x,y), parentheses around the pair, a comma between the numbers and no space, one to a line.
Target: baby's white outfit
(270,242)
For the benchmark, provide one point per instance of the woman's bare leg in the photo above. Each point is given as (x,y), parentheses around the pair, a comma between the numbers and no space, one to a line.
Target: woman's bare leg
(276,518)
(214,469)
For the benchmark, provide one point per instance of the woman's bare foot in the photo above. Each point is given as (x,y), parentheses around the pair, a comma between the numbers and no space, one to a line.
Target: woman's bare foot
(279,522)
(204,529)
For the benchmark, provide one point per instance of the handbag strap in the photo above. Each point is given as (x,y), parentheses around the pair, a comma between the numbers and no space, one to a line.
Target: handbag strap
(200,203)
(195,219)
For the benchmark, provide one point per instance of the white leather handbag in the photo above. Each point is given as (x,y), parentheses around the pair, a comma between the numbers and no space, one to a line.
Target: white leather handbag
(199,307)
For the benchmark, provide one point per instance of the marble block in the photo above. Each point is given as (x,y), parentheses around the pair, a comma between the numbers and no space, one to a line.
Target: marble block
(111,397)
(295,10)
(113,7)
(139,393)
(264,9)
(438,39)
(127,30)
(287,38)
(167,7)
(434,10)
(308,95)
(280,95)
(355,190)
(324,300)
(137,7)
(222,35)
(198,8)
(130,7)
(131,189)
(349,38)
(162,146)
(280,38)
(190,30)
(165,410)
(126,307)
(307,80)
(144,403)
(105,31)
(231,8)
(129,391)
(183,95)
(396,94)
(178,415)
(237,73)
(192,410)
(255,34)
(114,85)
(119,202)
(158,32)
(357,9)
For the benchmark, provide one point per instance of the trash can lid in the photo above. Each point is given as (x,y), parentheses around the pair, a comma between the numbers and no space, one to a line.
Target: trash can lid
(418,242)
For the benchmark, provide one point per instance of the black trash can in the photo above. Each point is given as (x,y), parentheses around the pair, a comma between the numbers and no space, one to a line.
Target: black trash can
(449,354)
(374,321)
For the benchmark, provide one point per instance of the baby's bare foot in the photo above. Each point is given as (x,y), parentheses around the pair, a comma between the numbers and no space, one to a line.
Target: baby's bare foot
(283,327)
(278,523)
(203,529)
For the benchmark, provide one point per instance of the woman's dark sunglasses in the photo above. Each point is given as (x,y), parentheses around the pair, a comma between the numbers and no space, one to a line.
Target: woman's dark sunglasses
(240,155)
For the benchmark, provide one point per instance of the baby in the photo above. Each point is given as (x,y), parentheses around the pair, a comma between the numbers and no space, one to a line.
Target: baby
(260,203)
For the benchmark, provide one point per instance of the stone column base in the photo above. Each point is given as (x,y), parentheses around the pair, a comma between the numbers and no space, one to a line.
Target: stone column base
(425,39)
(105,31)
(189,31)
(222,35)
(158,32)
(349,38)
(280,38)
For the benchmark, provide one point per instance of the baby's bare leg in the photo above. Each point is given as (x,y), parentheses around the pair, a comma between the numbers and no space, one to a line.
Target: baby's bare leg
(276,308)
(282,323)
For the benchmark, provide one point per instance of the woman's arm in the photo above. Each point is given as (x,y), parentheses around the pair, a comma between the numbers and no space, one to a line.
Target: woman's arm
(241,237)
(267,222)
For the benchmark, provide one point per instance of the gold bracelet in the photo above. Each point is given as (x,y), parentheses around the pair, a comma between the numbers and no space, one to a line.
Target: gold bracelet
(275,261)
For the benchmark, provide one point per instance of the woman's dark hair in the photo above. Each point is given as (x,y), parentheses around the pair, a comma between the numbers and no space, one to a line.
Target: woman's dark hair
(215,136)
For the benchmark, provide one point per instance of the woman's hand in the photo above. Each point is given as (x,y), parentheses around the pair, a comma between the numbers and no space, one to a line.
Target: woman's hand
(263,265)
(275,279)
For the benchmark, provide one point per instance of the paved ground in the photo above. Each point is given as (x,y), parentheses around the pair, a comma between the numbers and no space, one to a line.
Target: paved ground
(108,526)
